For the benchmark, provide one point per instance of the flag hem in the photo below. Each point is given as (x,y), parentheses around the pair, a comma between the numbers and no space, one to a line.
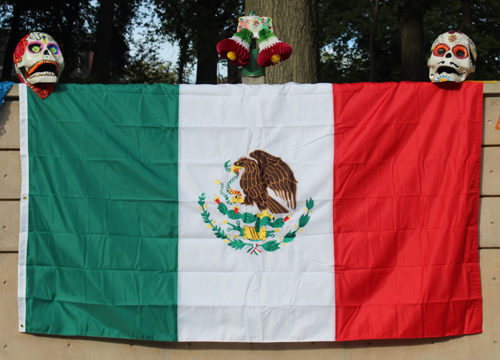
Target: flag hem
(24,206)
(479,140)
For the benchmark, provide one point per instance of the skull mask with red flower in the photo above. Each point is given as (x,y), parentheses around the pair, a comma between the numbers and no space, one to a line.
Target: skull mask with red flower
(38,59)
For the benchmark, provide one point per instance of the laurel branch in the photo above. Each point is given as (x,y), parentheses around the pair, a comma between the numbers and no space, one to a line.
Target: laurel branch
(249,218)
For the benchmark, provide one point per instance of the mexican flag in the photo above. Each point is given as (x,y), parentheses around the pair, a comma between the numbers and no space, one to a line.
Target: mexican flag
(251,213)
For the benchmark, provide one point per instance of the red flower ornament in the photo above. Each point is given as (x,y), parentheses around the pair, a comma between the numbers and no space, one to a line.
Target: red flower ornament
(272,50)
(20,50)
(237,48)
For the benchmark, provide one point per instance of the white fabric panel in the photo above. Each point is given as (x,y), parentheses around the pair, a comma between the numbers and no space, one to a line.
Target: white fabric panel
(24,206)
(230,295)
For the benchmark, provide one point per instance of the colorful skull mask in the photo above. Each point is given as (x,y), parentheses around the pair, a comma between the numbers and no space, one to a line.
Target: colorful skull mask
(453,57)
(38,59)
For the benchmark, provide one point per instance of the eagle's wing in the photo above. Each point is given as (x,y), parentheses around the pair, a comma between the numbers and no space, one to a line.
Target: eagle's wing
(278,176)
(252,188)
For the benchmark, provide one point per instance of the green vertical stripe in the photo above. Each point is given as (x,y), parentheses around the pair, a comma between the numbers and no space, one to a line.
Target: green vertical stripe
(103,211)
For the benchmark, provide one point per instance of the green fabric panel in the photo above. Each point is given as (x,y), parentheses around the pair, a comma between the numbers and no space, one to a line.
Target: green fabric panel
(103,211)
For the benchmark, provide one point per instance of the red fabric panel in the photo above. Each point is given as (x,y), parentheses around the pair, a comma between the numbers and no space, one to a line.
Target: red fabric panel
(406,203)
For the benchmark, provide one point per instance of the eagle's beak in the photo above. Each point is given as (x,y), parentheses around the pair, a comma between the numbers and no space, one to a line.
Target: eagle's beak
(236,169)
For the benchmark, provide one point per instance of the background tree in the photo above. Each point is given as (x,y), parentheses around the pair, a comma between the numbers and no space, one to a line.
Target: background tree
(147,68)
(70,23)
(176,25)
(115,19)
(296,23)
(357,41)
(372,39)
(101,65)
(73,25)
(197,26)
(412,28)
(14,36)
(345,37)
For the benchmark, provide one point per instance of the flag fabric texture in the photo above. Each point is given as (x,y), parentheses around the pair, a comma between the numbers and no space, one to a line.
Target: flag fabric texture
(251,213)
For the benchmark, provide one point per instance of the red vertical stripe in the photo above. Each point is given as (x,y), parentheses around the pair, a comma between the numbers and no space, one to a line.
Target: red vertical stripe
(406,183)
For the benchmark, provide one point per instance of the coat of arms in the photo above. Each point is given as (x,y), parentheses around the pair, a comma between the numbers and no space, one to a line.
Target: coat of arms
(257,232)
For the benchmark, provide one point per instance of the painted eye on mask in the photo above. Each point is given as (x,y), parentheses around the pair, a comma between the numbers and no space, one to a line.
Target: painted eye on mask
(35,48)
(460,51)
(440,50)
(53,48)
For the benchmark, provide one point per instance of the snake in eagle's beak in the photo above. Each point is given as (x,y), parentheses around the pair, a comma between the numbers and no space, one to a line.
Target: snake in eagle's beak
(236,169)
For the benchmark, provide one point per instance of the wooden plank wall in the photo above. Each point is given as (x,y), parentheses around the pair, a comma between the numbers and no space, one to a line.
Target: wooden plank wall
(14,345)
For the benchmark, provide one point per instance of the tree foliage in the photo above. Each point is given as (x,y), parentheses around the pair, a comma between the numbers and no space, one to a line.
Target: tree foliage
(345,31)
(77,27)
(147,68)
(70,23)
(197,26)
(114,24)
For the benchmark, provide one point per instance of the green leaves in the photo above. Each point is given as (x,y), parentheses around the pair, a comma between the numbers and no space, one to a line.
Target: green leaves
(309,204)
(289,237)
(219,232)
(248,218)
(271,245)
(205,216)
(237,244)
(304,219)
(201,200)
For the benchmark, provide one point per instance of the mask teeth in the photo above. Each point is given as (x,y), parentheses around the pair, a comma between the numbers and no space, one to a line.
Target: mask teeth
(38,64)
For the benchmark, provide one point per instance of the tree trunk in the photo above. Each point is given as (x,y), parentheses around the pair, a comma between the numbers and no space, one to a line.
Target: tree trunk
(14,38)
(372,40)
(296,23)
(68,33)
(206,71)
(411,16)
(206,44)
(101,66)
(466,17)
(467,22)
(183,59)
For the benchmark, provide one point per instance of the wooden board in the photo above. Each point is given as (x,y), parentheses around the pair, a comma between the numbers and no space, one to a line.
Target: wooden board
(490,172)
(10,174)
(491,88)
(489,223)
(13,93)
(491,118)
(485,346)
(9,225)
(9,125)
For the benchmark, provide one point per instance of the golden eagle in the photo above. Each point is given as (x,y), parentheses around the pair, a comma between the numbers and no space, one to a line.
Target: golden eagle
(269,171)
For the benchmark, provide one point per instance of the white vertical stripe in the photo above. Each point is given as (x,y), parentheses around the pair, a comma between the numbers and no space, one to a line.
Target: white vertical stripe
(23,228)
(229,295)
